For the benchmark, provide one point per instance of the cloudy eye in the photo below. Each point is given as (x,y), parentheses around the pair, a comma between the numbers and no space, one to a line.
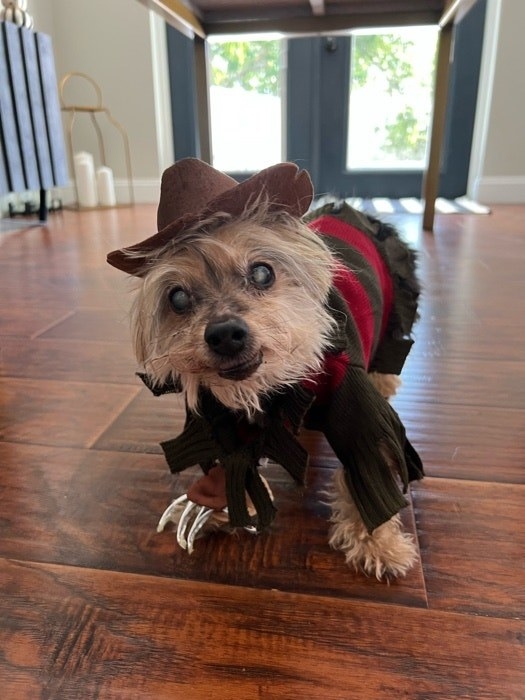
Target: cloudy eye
(261,276)
(180,300)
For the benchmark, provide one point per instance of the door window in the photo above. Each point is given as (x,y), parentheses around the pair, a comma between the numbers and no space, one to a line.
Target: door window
(246,103)
(353,110)
(390,98)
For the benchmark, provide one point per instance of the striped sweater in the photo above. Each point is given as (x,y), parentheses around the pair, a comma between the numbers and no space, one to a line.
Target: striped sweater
(374,300)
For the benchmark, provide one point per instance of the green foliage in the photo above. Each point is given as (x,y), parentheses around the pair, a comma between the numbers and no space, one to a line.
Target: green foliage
(405,137)
(384,54)
(256,65)
(252,65)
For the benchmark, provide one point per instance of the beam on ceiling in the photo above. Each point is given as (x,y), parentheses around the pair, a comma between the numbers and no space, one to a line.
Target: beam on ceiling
(318,7)
(324,24)
(455,10)
(178,15)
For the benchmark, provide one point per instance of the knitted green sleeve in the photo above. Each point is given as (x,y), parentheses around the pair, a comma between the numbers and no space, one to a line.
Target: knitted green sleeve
(370,441)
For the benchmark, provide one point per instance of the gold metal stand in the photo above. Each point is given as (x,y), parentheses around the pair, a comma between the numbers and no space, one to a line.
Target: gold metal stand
(93,110)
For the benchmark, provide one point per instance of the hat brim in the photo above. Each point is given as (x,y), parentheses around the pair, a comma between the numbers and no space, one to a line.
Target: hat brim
(285,186)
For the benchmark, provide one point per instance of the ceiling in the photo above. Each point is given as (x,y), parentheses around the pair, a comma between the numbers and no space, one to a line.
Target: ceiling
(205,17)
(211,11)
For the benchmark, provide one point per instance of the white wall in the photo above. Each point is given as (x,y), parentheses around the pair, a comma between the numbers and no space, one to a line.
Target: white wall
(119,44)
(42,12)
(497,173)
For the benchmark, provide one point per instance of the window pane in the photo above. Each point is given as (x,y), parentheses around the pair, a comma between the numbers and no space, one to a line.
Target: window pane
(245,103)
(391,89)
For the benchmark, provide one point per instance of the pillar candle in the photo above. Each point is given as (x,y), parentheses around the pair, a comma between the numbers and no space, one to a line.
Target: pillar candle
(106,187)
(85,176)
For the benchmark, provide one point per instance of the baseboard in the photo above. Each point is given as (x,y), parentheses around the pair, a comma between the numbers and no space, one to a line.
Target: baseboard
(145,191)
(508,189)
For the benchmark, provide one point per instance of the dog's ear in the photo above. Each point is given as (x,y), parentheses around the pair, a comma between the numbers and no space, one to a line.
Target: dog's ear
(370,441)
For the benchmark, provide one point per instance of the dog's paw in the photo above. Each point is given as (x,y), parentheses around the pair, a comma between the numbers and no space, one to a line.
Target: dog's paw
(386,552)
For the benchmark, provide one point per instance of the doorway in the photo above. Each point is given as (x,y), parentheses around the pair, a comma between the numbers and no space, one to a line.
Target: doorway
(312,101)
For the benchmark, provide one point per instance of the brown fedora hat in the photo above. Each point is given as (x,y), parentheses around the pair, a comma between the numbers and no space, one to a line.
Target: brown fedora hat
(191,190)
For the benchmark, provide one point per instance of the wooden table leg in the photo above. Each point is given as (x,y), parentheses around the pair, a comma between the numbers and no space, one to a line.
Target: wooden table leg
(203,98)
(431,176)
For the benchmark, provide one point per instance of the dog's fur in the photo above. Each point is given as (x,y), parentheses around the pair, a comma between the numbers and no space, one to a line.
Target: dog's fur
(289,332)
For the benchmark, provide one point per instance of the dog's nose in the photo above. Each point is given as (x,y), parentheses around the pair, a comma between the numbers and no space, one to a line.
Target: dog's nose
(227,337)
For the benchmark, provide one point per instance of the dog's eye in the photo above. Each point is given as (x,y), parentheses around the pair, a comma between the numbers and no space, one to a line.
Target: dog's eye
(261,276)
(180,300)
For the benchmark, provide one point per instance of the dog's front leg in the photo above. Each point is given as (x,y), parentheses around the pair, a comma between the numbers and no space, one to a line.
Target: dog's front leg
(386,551)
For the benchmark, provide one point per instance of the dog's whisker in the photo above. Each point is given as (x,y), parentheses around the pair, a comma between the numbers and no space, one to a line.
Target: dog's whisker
(159,340)
(158,365)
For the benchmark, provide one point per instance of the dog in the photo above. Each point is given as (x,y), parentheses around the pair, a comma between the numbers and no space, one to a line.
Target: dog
(270,319)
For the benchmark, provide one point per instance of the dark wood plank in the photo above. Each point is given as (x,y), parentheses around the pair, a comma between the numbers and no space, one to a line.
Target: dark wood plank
(144,423)
(467,442)
(24,321)
(472,542)
(443,339)
(72,360)
(58,413)
(59,287)
(64,263)
(100,510)
(454,381)
(64,333)
(92,324)
(293,555)
(87,634)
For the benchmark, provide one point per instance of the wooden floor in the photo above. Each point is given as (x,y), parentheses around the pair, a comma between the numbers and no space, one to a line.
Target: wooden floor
(95,604)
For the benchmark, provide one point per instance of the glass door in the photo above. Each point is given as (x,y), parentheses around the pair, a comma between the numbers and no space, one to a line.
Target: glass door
(390,98)
(353,110)
(359,108)
(246,102)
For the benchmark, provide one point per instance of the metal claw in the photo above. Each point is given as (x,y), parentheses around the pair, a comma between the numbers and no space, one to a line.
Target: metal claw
(167,516)
(184,519)
(191,517)
(200,520)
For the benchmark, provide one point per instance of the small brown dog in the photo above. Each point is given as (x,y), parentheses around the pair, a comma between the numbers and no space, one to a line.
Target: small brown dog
(268,323)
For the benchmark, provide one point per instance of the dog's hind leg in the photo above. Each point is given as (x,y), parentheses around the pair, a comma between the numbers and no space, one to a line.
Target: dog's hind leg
(387,551)
(386,384)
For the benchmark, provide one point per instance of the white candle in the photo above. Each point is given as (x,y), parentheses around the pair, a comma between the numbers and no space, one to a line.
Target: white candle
(85,176)
(106,187)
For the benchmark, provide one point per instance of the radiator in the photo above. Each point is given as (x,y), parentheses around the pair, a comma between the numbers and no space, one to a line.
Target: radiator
(32,151)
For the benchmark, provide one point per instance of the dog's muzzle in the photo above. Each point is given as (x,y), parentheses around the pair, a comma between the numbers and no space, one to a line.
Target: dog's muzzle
(229,339)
